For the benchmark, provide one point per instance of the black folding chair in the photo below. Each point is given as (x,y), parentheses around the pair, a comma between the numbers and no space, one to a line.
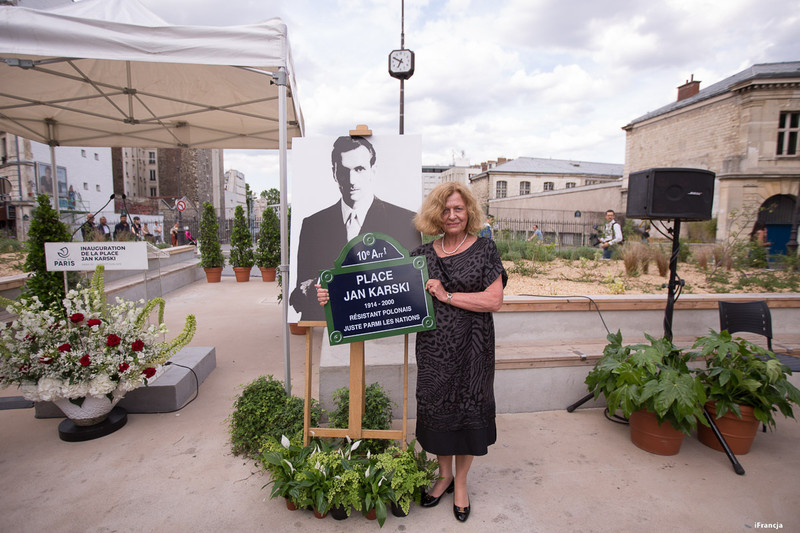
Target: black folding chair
(752,317)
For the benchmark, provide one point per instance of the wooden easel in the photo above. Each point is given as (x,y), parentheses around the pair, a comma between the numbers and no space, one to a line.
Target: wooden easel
(357,396)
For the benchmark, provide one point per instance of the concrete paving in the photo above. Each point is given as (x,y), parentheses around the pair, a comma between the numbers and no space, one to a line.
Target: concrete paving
(550,471)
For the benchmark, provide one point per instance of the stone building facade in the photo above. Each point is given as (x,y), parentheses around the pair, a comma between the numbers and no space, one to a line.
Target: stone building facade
(526,177)
(745,130)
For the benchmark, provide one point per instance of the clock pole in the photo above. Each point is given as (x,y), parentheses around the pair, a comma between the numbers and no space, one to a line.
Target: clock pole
(402,81)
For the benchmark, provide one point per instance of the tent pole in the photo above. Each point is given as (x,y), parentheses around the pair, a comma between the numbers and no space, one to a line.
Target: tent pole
(281,81)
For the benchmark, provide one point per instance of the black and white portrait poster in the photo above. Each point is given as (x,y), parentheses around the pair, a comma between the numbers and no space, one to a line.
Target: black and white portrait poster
(343,187)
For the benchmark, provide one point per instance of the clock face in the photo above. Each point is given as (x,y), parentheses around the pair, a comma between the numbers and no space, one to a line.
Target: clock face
(401,63)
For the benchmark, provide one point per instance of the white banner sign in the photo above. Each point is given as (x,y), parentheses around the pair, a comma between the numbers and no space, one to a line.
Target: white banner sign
(87,255)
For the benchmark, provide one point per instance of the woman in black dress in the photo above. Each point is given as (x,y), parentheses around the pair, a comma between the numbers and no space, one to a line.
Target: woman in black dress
(455,362)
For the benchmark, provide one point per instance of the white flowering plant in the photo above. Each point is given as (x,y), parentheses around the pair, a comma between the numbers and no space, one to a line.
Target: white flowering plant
(93,349)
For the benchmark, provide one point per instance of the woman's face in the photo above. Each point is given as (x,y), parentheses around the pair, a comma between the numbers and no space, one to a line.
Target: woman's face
(454,215)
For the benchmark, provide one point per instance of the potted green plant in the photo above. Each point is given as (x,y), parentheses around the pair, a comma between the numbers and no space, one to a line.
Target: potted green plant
(284,461)
(345,492)
(409,477)
(650,384)
(45,226)
(242,259)
(268,248)
(745,385)
(376,491)
(211,258)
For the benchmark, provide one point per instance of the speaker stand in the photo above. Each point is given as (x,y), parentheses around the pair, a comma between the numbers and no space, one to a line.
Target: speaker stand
(674,282)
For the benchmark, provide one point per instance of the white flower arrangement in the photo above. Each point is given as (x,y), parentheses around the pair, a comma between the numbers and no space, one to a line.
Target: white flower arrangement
(92,349)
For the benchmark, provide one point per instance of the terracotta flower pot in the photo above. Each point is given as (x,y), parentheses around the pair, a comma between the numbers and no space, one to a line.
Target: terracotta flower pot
(213,274)
(372,514)
(648,435)
(267,273)
(320,516)
(739,433)
(296,330)
(290,505)
(242,273)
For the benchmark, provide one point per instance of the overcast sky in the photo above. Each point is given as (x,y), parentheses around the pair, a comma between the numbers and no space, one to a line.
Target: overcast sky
(502,78)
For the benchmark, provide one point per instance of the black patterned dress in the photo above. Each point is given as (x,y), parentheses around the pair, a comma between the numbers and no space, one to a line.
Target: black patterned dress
(455,362)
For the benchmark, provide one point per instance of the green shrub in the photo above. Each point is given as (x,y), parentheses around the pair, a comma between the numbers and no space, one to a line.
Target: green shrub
(377,413)
(264,410)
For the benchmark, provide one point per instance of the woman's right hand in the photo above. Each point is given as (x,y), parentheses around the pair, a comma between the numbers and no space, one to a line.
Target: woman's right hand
(322,295)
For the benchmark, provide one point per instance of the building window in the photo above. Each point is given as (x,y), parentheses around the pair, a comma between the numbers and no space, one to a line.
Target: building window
(152,157)
(502,189)
(97,187)
(548,186)
(524,187)
(152,175)
(591,182)
(96,156)
(83,153)
(570,185)
(85,186)
(788,130)
(152,191)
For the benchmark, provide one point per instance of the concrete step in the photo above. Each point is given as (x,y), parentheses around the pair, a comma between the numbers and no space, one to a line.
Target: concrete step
(170,392)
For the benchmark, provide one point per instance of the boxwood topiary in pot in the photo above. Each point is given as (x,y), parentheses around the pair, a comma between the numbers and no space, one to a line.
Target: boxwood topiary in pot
(654,378)
(268,248)
(241,244)
(210,248)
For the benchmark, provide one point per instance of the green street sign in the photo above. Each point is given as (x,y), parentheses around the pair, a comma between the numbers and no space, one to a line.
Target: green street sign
(376,290)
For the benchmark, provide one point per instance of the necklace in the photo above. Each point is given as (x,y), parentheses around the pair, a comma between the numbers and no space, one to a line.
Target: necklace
(441,244)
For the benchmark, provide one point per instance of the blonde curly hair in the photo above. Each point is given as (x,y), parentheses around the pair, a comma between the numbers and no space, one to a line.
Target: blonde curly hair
(429,218)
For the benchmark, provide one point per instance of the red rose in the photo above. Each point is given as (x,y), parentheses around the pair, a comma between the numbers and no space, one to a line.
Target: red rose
(25,368)
(29,337)
(149,372)
(123,367)
(94,322)
(138,345)
(76,317)
(65,347)
(85,361)
(112,341)
(45,360)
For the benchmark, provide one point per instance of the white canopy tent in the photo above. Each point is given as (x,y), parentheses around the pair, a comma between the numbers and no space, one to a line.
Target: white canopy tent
(112,73)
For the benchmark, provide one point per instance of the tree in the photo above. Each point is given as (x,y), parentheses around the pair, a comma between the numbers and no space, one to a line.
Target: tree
(241,241)
(45,227)
(273,196)
(248,197)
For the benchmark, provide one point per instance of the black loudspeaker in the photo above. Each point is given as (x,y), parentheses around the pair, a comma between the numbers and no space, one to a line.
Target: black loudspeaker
(670,193)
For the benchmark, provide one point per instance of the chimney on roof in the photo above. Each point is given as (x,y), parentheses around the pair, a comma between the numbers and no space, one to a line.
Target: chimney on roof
(688,89)
(501,160)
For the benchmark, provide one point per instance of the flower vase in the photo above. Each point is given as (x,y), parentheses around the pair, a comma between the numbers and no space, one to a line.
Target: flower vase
(92,411)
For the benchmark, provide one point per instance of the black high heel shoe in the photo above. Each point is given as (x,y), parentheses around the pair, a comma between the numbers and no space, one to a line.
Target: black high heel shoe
(432,501)
(461,513)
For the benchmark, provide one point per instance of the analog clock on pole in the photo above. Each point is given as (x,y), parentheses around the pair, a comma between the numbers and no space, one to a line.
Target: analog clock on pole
(401,64)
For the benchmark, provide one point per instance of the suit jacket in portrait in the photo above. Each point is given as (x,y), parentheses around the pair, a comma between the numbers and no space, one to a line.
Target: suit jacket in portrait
(322,237)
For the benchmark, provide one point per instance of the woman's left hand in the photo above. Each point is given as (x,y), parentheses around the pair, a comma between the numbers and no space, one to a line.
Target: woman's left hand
(436,289)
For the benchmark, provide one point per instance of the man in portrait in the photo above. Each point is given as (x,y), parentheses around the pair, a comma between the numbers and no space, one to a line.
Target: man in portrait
(326,232)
